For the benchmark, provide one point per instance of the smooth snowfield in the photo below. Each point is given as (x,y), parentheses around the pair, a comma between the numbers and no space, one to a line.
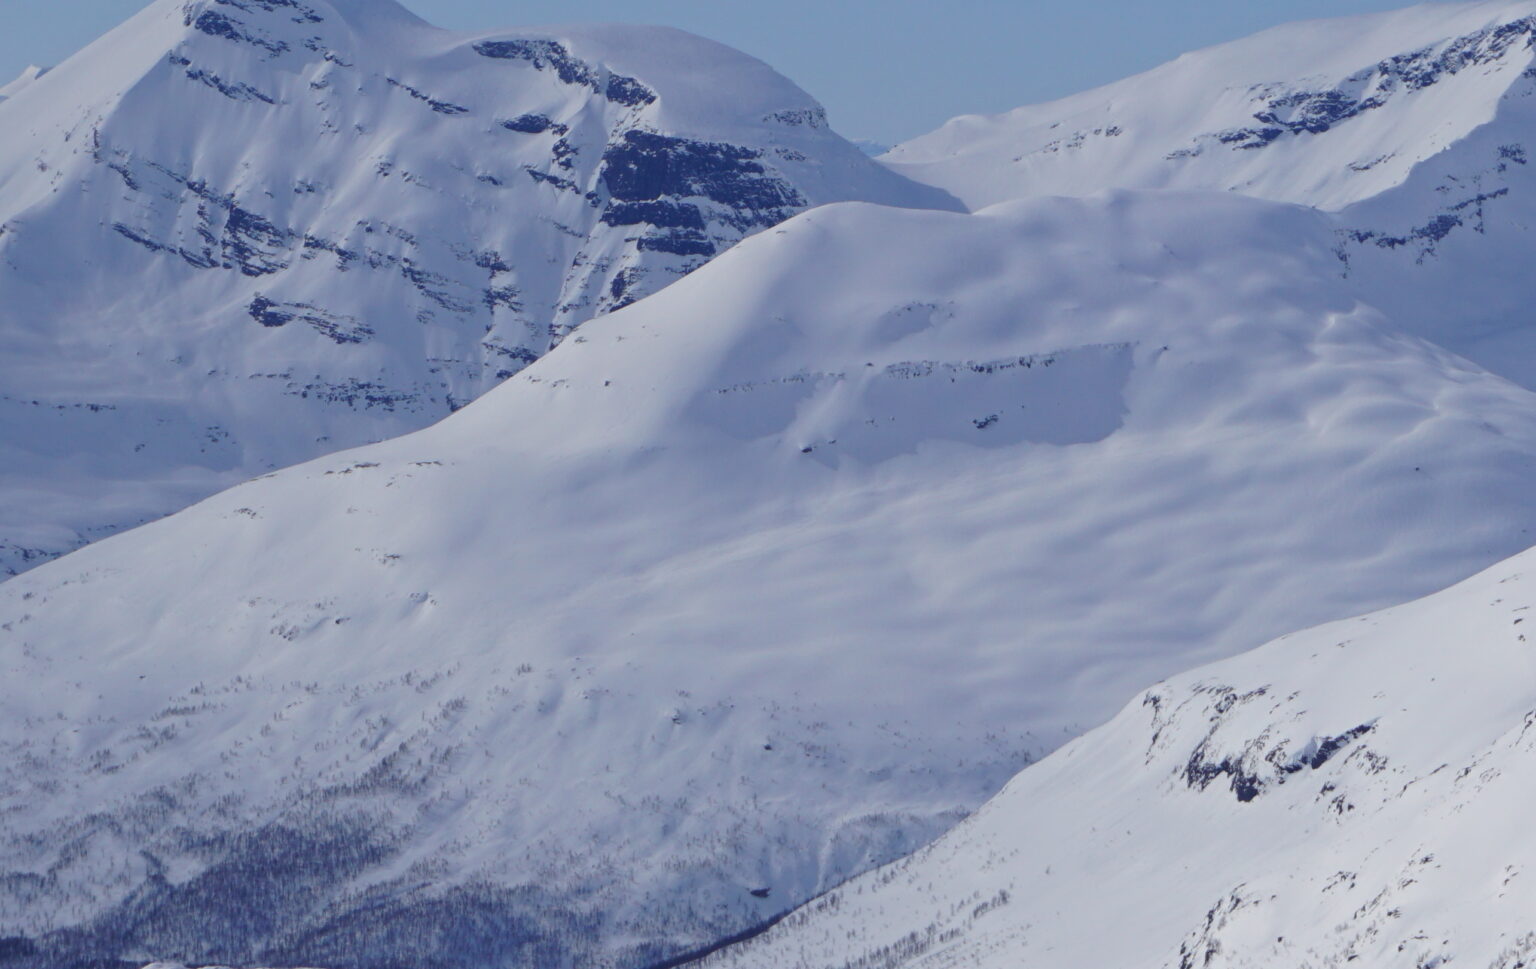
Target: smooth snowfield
(1356,794)
(1413,127)
(22,80)
(746,588)
(236,236)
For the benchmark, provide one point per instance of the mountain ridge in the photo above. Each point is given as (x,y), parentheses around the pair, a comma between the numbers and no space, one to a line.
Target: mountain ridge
(1409,127)
(640,649)
(1315,73)
(1349,792)
(461,201)
(22,80)
(771,576)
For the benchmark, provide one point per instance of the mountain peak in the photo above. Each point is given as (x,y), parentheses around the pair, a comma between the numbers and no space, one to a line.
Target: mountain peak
(1412,127)
(758,526)
(357,13)
(700,83)
(1348,106)
(382,220)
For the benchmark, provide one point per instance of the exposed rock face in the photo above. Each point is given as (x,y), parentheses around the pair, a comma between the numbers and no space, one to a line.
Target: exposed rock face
(238,234)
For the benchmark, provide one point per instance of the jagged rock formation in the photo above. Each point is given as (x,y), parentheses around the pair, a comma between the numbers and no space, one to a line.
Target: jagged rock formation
(236,234)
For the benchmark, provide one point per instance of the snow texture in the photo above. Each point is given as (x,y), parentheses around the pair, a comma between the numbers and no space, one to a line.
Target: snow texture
(1357,794)
(748,587)
(238,234)
(21,81)
(1413,127)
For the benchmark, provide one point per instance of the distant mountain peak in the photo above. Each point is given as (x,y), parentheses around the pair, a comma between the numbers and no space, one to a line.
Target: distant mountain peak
(349,224)
(360,14)
(1352,104)
(1413,126)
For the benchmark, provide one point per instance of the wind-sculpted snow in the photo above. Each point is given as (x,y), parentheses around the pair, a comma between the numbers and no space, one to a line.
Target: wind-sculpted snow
(1412,126)
(748,587)
(223,207)
(22,80)
(1357,794)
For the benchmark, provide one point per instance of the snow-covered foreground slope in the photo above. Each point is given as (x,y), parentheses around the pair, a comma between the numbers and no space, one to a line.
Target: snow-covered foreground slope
(1415,127)
(238,234)
(1358,793)
(746,588)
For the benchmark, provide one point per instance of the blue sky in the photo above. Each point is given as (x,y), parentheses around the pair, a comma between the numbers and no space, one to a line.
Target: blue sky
(885,69)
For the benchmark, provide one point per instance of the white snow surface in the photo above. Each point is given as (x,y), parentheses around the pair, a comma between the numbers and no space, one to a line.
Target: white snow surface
(1356,794)
(22,80)
(238,234)
(747,587)
(1357,103)
(1413,126)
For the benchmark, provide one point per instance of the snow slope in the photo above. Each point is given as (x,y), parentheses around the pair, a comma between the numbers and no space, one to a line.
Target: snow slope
(1413,126)
(22,80)
(238,234)
(1358,793)
(748,587)
(1323,112)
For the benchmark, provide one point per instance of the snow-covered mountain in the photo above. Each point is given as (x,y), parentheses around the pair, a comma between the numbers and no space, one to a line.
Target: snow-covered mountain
(22,80)
(237,234)
(1357,794)
(1324,113)
(747,587)
(1414,127)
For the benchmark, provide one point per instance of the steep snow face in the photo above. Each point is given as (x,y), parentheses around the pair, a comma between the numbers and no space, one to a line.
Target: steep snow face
(1413,126)
(1355,794)
(748,587)
(236,234)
